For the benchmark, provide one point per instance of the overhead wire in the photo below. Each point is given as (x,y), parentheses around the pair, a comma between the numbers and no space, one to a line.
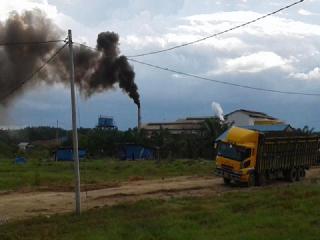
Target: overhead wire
(34,72)
(216,34)
(223,82)
(204,38)
(214,80)
(156,52)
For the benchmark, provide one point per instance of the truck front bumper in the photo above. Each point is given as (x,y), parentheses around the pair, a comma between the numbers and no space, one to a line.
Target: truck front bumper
(226,173)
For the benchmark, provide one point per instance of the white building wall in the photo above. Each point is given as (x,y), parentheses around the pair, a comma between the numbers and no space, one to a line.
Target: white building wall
(240,119)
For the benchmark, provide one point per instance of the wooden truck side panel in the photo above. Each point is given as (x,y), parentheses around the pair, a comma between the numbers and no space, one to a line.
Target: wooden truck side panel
(276,153)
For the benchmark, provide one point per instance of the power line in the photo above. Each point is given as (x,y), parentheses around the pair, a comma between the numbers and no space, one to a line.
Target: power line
(216,34)
(223,82)
(34,73)
(29,43)
(86,46)
(213,80)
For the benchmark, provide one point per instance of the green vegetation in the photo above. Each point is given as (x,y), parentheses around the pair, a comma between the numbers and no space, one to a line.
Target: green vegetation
(102,143)
(94,173)
(291,212)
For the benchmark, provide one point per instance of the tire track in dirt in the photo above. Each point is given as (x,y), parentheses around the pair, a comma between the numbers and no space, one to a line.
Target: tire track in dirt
(15,206)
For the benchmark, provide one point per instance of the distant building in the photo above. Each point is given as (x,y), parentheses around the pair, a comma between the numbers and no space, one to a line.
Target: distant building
(190,125)
(24,146)
(244,117)
(106,122)
(131,151)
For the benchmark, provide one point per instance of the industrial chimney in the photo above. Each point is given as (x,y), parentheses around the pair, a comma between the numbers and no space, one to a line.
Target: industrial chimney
(139,118)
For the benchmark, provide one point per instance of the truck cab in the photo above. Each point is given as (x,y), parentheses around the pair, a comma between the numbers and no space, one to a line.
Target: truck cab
(236,155)
(253,157)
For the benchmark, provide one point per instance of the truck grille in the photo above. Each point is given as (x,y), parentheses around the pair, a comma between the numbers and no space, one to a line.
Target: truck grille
(227,167)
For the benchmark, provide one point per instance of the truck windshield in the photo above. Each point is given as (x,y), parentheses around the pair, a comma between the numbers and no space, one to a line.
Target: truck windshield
(233,152)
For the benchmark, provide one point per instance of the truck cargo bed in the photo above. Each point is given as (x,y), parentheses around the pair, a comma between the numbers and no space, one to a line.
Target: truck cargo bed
(285,152)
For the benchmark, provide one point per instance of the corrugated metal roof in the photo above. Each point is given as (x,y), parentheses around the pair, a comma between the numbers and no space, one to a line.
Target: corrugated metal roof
(254,114)
(259,128)
(269,128)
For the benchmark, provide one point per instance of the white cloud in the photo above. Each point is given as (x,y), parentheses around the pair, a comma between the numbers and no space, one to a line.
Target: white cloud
(273,25)
(253,63)
(304,12)
(314,74)
(20,5)
(65,22)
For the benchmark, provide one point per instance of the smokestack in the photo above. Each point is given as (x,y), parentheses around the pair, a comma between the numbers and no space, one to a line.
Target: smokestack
(139,117)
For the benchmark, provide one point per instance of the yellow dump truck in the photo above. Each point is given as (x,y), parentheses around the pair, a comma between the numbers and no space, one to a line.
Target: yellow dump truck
(252,157)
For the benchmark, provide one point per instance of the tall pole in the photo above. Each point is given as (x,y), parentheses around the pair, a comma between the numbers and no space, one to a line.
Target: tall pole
(57,134)
(74,128)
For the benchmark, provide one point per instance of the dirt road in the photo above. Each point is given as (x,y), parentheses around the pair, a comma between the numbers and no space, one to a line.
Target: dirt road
(14,206)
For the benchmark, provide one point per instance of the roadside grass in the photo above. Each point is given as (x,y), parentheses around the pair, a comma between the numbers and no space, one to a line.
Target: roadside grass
(283,212)
(39,175)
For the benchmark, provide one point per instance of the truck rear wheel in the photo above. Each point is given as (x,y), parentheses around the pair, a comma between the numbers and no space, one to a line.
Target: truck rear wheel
(292,175)
(251,180)
(261,179)
(226,181)
(301,173)
(298,175)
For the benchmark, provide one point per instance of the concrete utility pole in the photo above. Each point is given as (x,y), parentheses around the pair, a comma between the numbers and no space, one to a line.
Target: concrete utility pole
(74,128)
(57,134)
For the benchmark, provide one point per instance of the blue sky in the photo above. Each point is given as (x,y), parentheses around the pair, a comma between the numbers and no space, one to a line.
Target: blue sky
(281,52)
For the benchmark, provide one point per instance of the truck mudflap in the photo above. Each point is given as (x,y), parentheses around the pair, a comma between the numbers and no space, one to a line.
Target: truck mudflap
(225,173)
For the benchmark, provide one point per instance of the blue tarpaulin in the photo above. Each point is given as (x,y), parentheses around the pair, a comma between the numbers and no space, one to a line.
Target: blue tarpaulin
(20,160)
(66,154)
(135,152)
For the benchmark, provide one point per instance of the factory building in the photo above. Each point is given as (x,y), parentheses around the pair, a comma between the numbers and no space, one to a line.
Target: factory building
(244,117)
(190,125)
(193,125)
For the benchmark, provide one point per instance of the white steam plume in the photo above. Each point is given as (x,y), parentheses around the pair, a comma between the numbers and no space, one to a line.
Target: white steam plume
(217,110)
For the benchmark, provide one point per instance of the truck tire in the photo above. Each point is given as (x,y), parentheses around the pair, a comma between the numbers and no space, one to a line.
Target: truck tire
(298,174)
(261,179)
(226,181)
(292,175)
(301,173)
(251,180)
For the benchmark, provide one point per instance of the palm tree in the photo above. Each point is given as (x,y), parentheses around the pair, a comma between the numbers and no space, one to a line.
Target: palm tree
(211,129)
(306,130)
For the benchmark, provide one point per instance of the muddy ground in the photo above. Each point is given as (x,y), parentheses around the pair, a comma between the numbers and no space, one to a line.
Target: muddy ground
(22,205)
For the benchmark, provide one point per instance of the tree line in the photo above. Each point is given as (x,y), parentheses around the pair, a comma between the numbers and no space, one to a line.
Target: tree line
(101,143)
(106,143)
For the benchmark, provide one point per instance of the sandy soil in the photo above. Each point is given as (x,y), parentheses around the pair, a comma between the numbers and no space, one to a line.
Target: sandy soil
(15,206)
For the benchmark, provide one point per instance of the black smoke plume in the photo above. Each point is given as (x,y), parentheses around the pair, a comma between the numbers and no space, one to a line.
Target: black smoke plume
(18,61)
(95,71)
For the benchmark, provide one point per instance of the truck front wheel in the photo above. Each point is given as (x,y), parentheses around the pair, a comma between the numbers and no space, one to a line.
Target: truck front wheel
(227,181)
(251,180)
(292,175)
(261,179)
(301,173)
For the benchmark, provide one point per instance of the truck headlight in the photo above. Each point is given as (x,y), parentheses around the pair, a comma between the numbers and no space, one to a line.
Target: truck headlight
(245,164)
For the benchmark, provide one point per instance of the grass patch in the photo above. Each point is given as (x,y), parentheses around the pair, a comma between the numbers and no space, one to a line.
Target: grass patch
(280,213)
(95,173)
